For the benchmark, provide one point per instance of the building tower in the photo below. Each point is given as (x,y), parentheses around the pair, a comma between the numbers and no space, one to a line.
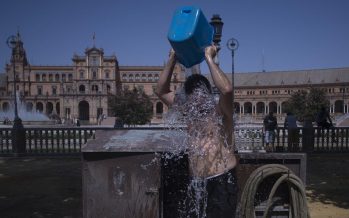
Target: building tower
(18,63)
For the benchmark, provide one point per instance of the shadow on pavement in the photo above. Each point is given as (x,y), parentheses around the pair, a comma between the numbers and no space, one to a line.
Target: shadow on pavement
(328,179)
(40,187)
(52,187)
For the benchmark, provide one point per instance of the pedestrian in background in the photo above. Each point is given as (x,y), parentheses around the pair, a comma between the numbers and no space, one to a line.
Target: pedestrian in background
(292,132)
(270,125)
(323,119)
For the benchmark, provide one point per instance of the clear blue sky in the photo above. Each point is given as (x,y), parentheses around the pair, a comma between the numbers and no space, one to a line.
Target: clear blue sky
(286,34)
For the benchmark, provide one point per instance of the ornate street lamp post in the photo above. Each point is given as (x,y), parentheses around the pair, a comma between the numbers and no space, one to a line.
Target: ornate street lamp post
(232,45)
(18,131)
(12,43)
(62,94)
(217,24)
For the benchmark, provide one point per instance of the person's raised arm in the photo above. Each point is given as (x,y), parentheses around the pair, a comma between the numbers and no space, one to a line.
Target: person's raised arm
(221,81)
(163,90)
(223,84)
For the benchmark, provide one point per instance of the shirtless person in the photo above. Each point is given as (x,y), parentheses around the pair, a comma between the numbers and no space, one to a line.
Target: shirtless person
(210,147)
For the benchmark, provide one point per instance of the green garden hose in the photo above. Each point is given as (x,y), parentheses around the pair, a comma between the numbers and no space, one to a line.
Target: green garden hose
(298,202)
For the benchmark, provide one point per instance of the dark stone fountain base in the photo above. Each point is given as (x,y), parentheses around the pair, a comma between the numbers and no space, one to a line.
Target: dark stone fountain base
(125,176)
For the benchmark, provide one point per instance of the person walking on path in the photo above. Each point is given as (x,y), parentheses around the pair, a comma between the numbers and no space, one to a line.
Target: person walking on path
(270,125)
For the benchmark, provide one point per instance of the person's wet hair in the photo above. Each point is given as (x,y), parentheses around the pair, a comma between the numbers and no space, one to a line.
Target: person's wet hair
(195,81)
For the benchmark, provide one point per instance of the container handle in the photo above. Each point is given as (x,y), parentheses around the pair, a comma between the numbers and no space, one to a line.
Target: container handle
(187,11)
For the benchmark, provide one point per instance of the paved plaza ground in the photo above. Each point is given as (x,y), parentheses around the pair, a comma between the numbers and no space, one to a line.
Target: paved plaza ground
(51,187)
(328,185)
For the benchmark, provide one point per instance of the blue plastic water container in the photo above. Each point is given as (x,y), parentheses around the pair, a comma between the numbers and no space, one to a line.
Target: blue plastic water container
(189,35)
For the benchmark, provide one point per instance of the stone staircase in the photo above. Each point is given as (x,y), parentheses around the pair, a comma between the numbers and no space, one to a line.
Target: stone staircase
(344,123)
(109,121)
(342,120)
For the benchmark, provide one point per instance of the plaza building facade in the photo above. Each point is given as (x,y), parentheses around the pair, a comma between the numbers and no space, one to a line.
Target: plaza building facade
(258,93)
(82,89)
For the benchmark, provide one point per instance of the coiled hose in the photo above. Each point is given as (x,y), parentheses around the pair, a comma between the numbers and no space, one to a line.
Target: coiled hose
(298,202)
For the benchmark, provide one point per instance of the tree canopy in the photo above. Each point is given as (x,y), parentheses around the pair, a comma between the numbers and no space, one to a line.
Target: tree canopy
(306,104)
(133,107)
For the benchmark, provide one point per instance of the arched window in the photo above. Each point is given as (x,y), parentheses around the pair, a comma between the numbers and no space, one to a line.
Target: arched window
(338,106)
(49,108)
(84,110)
(159,108)
(95,88)
(150,78)
(273,107)
(39,107)
(107,74)
(29,106)
(108,88)
(58,108)
(82,74)
(137,77)
(57,77)
(70,77)
(130,77)
(236,107)
(248,108)
(82,88)
(124,77)
(260,108)
(283,107)
(5,106)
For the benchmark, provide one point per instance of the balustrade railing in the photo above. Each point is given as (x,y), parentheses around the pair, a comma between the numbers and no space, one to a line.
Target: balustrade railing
(70,140)
(48,140)
(316,139)
(247,138)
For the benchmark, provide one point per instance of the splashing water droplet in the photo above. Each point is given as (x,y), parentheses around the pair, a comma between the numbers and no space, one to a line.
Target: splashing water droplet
(199,141)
